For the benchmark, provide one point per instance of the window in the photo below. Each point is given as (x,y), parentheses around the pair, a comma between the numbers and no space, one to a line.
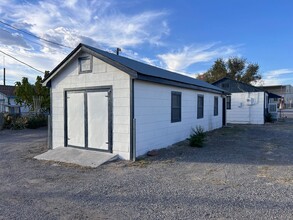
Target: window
(175,107)
(85,64)
(216,104)
(228,102)
(200,104)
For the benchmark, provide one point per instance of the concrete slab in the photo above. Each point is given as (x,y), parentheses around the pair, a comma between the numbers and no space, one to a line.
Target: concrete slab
(80,157)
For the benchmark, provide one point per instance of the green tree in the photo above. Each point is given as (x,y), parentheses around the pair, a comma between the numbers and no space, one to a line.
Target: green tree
(36,97)
(235,68)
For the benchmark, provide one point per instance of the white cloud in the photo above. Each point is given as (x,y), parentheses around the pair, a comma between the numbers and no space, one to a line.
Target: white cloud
(8,38)
(99,23)
(181,59)
(277,77)
(98,20)
(40,60)
(277,73)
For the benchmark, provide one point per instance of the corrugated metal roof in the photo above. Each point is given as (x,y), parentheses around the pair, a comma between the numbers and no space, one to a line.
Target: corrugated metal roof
(146,69)
(236,86)
(7,90)
(142,69)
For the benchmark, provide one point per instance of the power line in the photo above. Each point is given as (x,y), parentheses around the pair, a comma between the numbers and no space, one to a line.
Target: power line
(22,62)
(52,42)
(60,51)
(21,36)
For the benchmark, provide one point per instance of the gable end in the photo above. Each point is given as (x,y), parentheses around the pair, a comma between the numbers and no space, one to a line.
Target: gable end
(75,53)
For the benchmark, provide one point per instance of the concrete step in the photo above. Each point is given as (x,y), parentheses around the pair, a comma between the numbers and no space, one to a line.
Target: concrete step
(82,157)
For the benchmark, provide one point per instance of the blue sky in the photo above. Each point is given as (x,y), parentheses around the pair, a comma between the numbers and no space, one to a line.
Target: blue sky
(183,36)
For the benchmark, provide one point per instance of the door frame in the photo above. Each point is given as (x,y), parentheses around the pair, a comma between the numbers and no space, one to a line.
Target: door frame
(224,115)
(85,90)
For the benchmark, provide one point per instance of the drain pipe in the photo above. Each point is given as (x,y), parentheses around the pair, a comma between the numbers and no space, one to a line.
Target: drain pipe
(132,123)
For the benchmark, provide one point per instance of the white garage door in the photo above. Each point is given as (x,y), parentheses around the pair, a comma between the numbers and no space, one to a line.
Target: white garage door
(75,122)
(88,119)
(97,120)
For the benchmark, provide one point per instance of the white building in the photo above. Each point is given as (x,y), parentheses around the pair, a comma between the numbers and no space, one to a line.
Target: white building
(102,101)
(7,101)
(285,91)
(247,104)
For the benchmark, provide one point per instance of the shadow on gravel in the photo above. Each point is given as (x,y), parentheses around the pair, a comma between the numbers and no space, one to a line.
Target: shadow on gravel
(269,144)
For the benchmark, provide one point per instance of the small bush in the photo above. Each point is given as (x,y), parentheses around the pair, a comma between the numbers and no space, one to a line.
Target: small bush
(18,123)
(36,121)
(1,121)
(268,117)
(8,120)
(14,122)
(197,137)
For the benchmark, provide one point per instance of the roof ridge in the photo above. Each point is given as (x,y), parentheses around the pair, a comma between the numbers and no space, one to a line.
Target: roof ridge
(133,67)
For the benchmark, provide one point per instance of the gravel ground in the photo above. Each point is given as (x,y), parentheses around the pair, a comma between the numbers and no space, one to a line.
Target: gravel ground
(242,172)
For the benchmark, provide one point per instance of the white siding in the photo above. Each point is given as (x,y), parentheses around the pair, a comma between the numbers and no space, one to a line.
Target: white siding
(102,75)
(152,111)
(244,112)
(3,102)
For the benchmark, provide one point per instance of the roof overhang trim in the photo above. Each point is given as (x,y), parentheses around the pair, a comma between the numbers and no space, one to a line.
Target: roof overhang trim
(178,84)
(76,52)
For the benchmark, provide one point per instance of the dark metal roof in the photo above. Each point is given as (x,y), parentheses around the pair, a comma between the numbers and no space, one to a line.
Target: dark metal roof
(232,85)
(273,86)
(7,90)
(273,95)
(143,71)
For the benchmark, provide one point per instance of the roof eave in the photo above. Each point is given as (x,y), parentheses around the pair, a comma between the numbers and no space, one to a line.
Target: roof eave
(246,84)
(83,48)
(119,66)
(61,65)
(179,84)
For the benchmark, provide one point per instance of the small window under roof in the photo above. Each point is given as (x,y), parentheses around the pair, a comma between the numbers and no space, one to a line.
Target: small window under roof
(85,64)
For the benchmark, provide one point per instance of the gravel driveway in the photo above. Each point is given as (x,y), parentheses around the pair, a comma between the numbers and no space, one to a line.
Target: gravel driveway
(242,172)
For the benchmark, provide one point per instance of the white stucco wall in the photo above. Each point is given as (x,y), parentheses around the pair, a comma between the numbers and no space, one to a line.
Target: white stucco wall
(152,112)
(102,75)
(23,109)
(244,112)
(3,102)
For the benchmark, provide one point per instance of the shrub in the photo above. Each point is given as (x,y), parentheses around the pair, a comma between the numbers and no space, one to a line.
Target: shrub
(1,120)
(15,122)
(268,117)
(8,120)
(197,137)
(18,123)
(36,121)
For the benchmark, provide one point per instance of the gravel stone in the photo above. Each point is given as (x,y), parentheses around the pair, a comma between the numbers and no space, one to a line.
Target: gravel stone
(242,172)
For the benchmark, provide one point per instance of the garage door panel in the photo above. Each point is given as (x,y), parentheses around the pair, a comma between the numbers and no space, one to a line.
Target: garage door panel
(97,106)
(75,121)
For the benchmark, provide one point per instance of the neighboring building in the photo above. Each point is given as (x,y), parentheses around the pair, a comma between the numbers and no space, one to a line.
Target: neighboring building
(285,91)
(247,104)
(102,101)
(7,100)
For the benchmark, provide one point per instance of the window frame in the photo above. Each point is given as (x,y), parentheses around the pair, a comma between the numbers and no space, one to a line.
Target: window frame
(90,58)
(200,109)
(216,105)
(173,108)
(228,102)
